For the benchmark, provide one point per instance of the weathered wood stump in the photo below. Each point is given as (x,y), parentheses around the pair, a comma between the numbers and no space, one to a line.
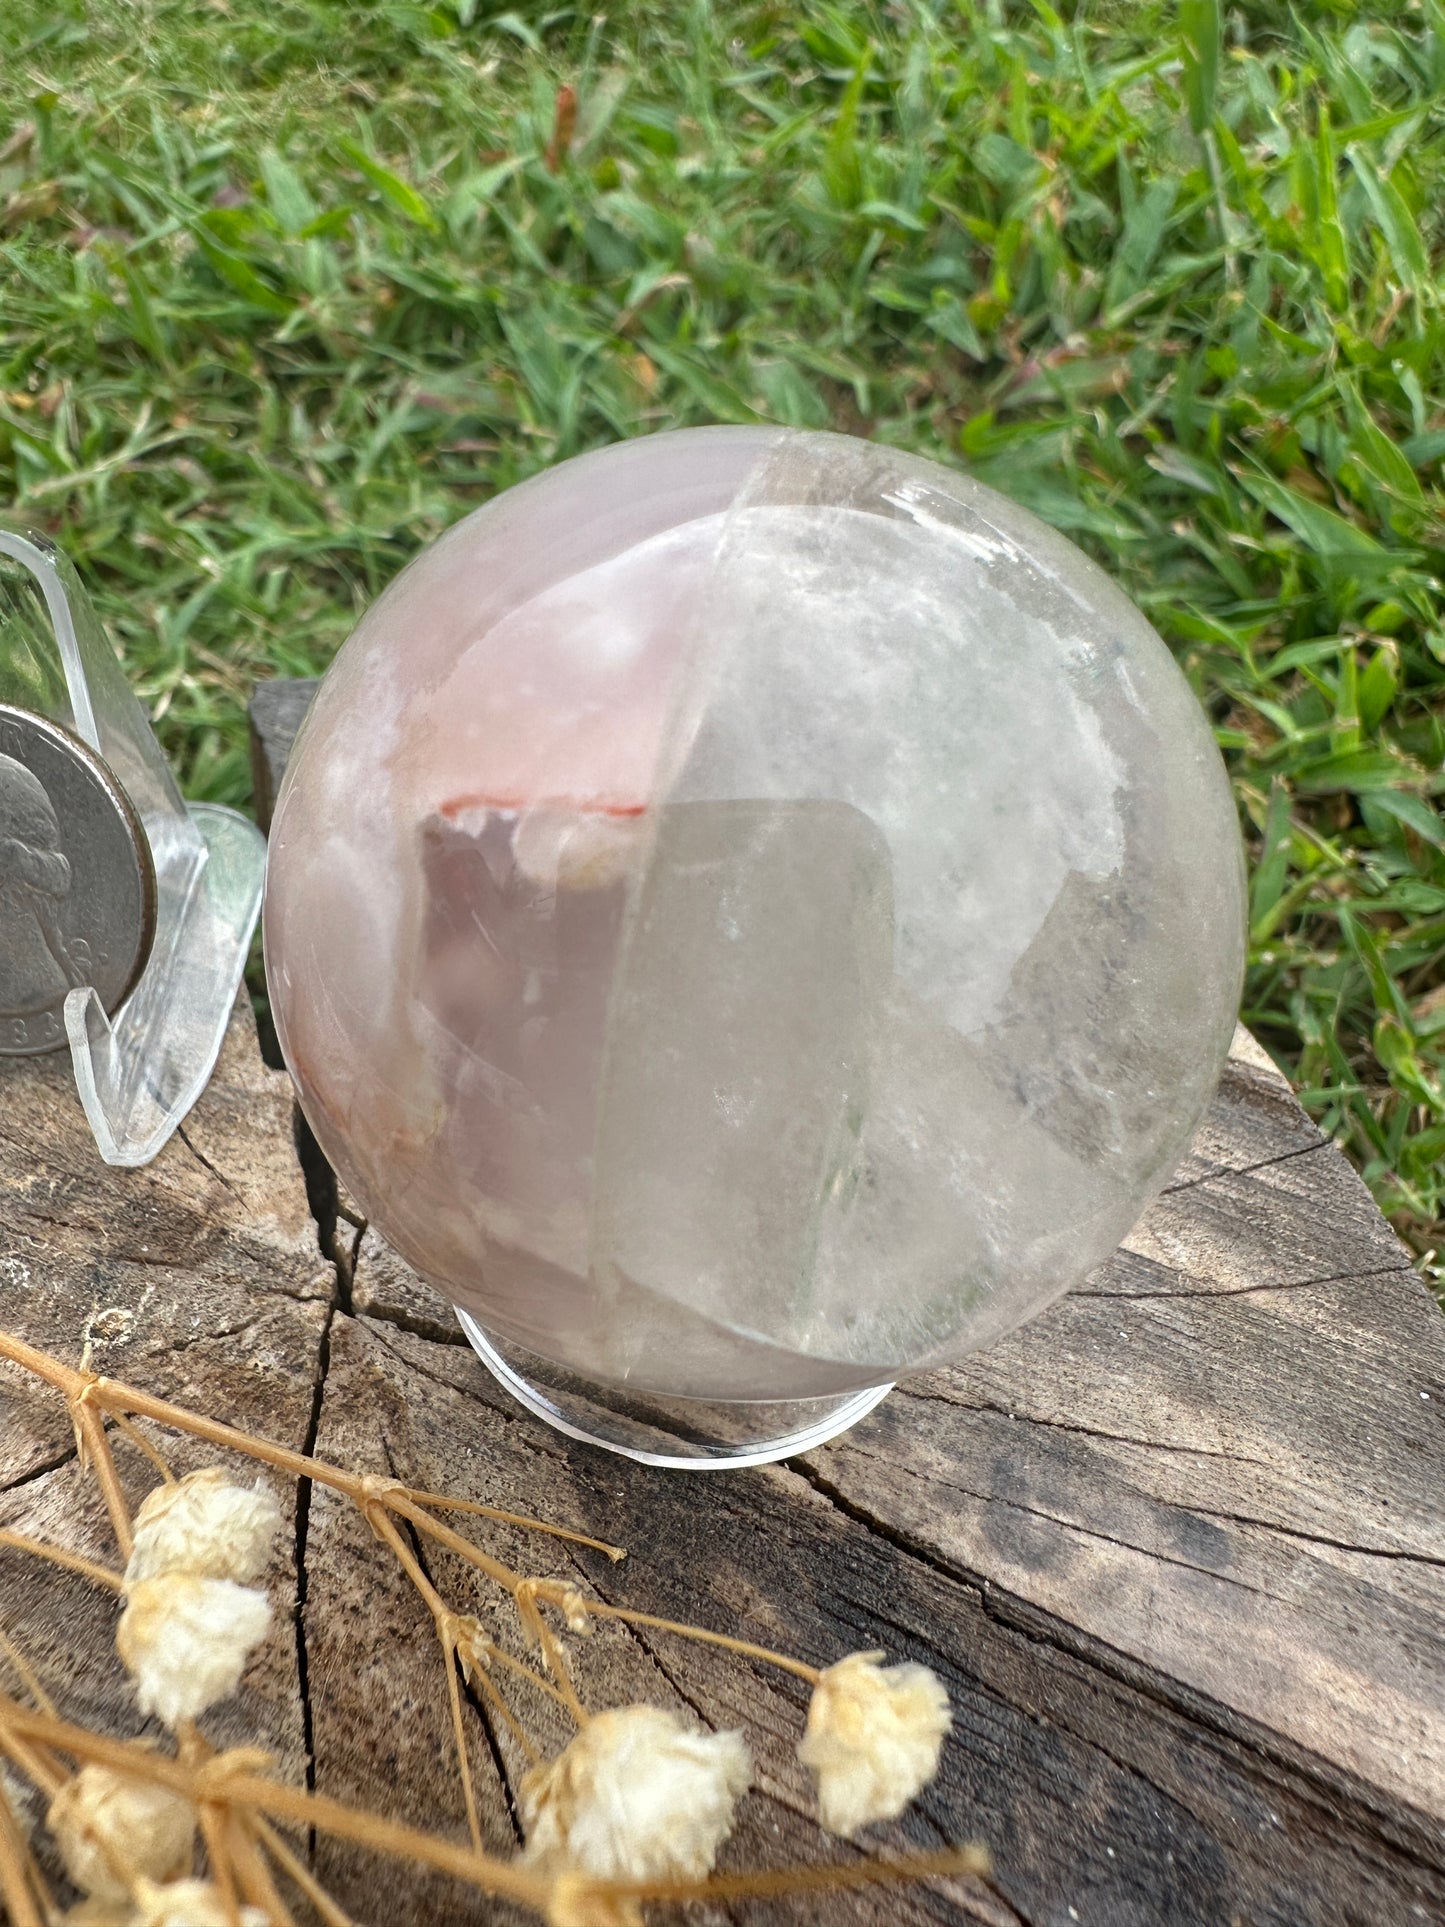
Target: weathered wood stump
(1176,1549)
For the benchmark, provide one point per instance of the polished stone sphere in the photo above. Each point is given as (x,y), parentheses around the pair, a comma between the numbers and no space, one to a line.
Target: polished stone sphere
(752,913)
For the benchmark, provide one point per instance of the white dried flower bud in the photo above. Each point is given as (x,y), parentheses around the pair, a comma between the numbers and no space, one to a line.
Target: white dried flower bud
(575,1611)
(190,1903)
(873,1738)
(205,1525)
(187,1640)
(111,1827)
(640,1794)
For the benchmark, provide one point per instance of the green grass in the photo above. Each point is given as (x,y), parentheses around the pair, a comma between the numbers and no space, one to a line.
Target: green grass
(287,287)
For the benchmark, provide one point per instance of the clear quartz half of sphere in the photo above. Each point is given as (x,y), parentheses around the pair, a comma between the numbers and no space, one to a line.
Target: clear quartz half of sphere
(752,913)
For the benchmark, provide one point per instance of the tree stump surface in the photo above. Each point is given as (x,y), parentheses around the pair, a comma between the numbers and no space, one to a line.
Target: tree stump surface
(1175,1548)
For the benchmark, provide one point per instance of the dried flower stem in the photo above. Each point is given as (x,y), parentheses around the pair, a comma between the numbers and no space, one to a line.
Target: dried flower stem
(214,1829)
(58,1556)
(296,1870)
(143,1445)
(95,1451)
(459,1733)
(529,1613)
(490,1650)
(972,1859)
(445,1621)
(504,1576)
(248,1834)
(88,1395)
(25,1673)
(595,1609)
(42,1769)
(253,1876)
(19,1875)
(441,1502)
(522,1589)
(220,1782)
(476,1672)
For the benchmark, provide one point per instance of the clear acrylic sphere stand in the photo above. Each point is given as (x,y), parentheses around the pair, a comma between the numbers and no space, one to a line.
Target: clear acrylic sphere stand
(139,1072)
(685,1434)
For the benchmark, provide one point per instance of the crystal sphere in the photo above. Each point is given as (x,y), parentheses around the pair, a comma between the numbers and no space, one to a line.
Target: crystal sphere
(752,913)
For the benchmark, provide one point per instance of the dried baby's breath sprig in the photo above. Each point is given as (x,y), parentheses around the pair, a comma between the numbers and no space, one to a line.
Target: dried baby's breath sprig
(207,1525)
(113,1829)
(873,1738)
(633,1809)
(640,1794)
(189,1624)
(235,1780)
(186,1641)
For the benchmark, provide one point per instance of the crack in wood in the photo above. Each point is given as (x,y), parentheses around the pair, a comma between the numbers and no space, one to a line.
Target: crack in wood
(1104,1538)
(304,1493)
(637,1635)
(304,1489)
(42,1155)
(1244,1170)
(1083,1431)
(523,1430)
(1404,1270)
(21,1223)
(986,1589)
(431,1329)
(189,1340)
(1321,1539)
(23,1479)
(206,1164)
(323,1202)
(1283,1769)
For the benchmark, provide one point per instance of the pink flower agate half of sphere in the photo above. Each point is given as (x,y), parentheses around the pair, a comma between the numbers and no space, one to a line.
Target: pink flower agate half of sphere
(753,913)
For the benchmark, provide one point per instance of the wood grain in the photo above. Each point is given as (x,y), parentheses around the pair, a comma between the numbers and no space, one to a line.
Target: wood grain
(1190,1623)
(1188,1526)
(1176,1548)
(198,1277)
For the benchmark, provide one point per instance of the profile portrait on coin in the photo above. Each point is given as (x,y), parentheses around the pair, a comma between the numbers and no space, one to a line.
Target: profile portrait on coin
(34,881)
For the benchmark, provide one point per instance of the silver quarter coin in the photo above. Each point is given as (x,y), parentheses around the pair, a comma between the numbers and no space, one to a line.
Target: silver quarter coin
(77,885)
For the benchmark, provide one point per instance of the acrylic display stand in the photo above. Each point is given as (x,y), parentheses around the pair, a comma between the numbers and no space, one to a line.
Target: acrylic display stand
(139,1071)
(685,1434)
